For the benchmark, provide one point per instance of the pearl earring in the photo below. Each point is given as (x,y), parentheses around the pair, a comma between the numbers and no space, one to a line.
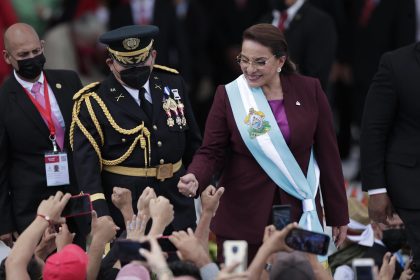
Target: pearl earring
(279,69)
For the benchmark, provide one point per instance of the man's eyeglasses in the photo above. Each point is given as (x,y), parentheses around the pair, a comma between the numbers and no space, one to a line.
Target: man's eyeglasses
(257,63)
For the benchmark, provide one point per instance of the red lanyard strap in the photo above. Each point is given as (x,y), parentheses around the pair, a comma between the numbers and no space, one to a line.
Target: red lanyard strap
(45,112)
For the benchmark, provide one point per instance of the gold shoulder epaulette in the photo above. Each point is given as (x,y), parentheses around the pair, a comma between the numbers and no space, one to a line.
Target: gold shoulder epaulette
(86,89)
(165,68)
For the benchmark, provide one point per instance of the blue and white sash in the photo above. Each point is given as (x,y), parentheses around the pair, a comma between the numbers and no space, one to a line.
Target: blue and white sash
(271,151)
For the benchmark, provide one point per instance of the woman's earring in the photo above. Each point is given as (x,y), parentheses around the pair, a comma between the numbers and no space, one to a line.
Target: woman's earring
(279,69)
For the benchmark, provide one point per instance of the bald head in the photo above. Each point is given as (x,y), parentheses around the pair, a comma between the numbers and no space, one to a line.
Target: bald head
(18,33)
(23,50)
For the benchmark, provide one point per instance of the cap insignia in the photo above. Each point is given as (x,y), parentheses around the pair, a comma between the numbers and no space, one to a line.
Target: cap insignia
(131,43)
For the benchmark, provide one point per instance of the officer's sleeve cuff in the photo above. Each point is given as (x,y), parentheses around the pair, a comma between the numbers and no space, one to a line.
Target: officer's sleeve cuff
(377,191)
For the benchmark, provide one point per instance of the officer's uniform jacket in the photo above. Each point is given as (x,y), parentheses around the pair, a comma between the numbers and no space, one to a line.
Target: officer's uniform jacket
(110,130)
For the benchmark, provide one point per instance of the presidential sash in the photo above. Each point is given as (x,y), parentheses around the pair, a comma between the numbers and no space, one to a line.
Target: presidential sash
(263,138)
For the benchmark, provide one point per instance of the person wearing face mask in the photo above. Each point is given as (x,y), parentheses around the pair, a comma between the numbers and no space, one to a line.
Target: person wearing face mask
(278,127)
(35,116)
(135,129)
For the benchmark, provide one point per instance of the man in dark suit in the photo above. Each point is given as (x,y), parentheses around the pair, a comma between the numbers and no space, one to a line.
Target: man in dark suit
(310,34)
(390,143)
(172,42)
(35,109)
(136,128)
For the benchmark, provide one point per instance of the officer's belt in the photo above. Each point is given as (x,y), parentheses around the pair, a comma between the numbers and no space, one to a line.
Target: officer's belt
(161,172)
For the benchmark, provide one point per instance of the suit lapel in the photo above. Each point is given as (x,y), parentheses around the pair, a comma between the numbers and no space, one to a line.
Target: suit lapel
(122,99)
(27,107)
(61,90)
(290,107)
(296,19)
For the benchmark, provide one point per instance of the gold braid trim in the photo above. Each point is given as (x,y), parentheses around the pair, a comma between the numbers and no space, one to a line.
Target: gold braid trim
(165,68)
(85,90)
(94,119)
(144,132)
(112,121)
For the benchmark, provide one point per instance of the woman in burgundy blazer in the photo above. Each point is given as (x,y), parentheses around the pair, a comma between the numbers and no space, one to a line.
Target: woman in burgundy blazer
(245,207)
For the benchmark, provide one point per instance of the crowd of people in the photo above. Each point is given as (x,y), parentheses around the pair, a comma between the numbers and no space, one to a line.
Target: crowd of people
(122,126)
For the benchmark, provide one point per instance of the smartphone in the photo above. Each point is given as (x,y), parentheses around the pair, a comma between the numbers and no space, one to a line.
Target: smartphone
(281,216)
(78,205)
(236,251)
(166,244)
(308,241)
(128,250)
(363,269)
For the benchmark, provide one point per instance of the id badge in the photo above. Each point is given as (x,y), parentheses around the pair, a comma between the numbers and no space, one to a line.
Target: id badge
(57,169)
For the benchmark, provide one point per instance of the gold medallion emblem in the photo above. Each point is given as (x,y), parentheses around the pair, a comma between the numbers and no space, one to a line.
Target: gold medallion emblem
(131,43)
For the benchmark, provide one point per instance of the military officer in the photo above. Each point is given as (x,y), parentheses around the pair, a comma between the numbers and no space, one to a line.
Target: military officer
(134,129)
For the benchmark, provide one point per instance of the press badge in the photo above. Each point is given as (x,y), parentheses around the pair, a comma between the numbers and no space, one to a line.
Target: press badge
(57,169)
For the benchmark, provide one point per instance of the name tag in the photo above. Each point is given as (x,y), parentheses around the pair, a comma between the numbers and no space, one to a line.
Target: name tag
(57,169)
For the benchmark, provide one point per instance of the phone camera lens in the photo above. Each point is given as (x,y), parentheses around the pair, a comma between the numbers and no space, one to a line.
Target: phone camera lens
(235,249)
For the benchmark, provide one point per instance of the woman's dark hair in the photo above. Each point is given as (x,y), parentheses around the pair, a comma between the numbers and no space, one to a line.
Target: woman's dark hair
(270,36)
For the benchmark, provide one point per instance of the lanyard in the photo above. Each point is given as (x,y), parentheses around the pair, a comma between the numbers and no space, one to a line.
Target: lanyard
(45,112)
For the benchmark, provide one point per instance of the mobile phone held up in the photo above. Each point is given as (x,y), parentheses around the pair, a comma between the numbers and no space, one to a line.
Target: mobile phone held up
(236,251)
(363,268)
(128,250)
(308,241)
(281,216)
(78,205)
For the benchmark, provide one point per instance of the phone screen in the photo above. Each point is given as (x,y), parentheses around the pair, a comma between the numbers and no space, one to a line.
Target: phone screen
(363,273)
(78,205)
(128,250)
(308,241)
(281,216)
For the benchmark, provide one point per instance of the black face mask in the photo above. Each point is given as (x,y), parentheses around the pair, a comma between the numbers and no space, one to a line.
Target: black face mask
(30,68)
(279,5)
(394,239)
(135,77)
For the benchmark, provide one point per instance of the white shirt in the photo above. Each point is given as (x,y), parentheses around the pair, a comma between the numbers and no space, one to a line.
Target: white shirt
(291,12)
(55,109)
(135,93)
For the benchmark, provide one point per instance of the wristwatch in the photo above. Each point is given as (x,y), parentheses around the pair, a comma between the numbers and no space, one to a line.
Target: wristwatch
(268,267)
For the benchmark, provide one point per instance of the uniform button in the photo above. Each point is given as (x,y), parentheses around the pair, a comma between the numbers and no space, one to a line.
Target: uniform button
(124,140)
(161,161)
(159,144)
(154,127)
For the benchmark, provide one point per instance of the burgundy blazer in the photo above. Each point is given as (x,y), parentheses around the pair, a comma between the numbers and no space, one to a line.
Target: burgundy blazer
(245,207)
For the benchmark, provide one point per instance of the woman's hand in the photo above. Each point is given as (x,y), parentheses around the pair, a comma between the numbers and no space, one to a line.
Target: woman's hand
(188,185)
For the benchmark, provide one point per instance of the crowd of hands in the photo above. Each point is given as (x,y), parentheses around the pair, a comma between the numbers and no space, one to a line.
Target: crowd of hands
(41,239)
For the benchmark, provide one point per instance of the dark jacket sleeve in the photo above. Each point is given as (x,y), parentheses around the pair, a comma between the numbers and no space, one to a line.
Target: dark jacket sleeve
(328,159)
(6,219)
(211,154)
(87,162)
(379,113)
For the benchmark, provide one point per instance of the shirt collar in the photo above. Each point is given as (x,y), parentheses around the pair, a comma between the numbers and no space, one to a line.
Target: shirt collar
(291,11)
(135,92)
(28,85)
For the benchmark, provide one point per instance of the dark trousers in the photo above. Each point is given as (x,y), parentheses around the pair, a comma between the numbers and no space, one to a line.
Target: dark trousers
(411,219)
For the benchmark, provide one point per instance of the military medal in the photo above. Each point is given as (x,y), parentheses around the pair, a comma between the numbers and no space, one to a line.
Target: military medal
(180,107)
(174,108)
(181,110)
(170,121)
